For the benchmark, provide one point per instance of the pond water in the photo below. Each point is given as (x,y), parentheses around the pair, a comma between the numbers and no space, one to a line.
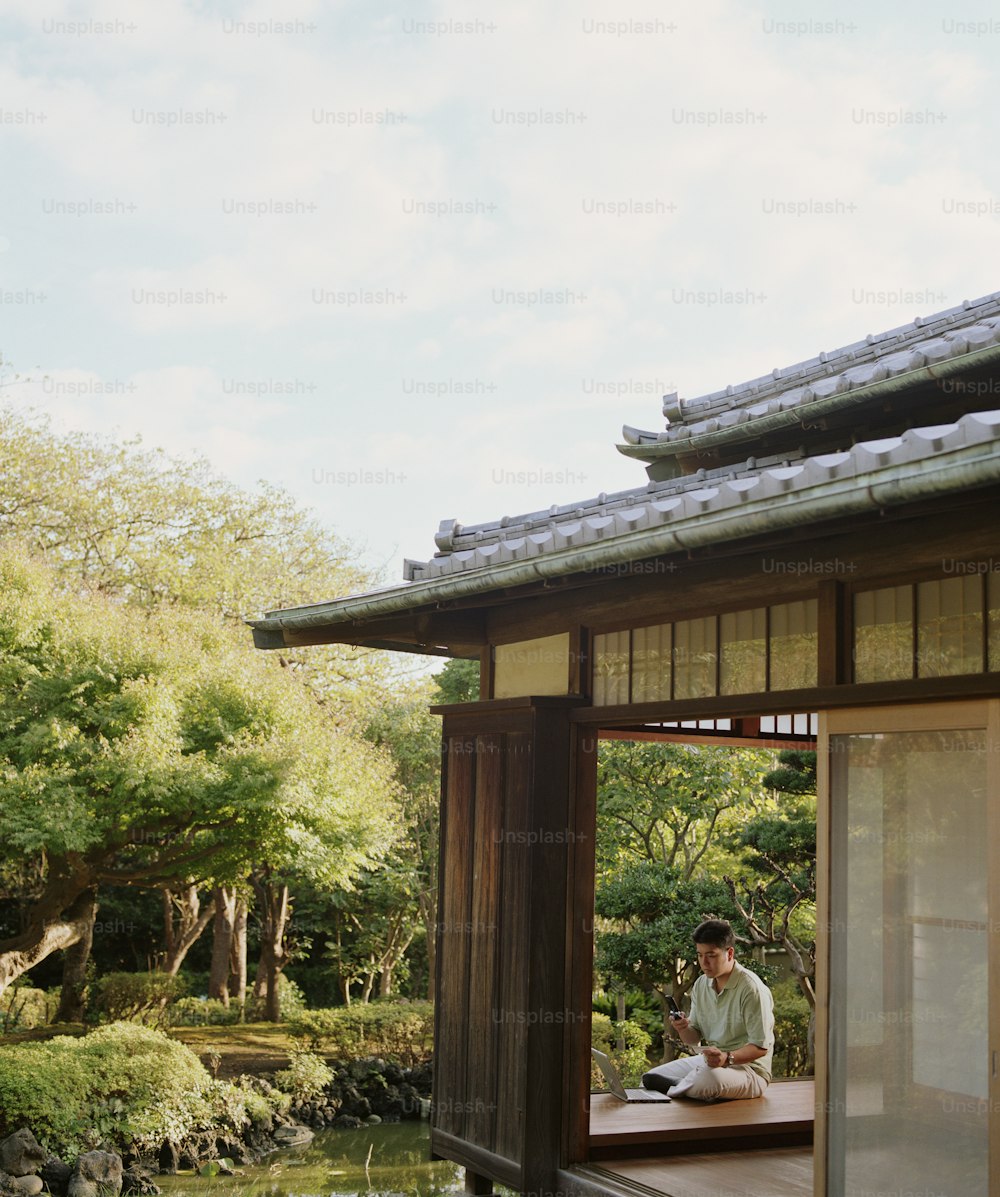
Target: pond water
(335,1163)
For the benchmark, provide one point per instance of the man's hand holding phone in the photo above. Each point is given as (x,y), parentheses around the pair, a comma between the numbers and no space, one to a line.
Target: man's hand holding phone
(678,1019)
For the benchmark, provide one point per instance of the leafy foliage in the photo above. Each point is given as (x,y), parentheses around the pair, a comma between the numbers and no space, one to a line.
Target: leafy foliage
(626,1043)
(458,681)
(136,997)
(143,748)
(669,802)
(656,910)
(400,1031)
(121,1083)
(201,1012)
(23,1007)
(306,1075)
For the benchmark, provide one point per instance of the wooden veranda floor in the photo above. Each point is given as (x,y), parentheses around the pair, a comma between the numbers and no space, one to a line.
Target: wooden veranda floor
(778,1172)
(783,1118)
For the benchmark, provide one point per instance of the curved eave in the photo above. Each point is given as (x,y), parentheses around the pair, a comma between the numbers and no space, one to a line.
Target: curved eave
(649,448)
(968,467)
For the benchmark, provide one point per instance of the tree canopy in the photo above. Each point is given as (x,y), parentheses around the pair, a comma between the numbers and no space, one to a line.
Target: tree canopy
(148,747)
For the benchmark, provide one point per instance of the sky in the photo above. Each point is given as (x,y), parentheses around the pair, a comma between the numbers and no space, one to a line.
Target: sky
(418,262)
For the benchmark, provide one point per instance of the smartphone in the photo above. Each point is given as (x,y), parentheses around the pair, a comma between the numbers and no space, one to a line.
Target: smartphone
(675,1010)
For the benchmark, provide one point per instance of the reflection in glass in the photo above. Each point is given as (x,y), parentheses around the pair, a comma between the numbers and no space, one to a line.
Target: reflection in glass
(909,953)
(611,668)
(883,634)
(794,645)
(651,663)
(950,626)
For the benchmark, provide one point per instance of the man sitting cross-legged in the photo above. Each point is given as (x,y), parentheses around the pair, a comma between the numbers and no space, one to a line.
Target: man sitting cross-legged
(732,1015)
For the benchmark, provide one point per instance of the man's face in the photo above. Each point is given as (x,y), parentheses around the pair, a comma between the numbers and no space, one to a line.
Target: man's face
(714,961)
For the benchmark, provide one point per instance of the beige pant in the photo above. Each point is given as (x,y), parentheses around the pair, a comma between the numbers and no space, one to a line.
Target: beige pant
(692,1077)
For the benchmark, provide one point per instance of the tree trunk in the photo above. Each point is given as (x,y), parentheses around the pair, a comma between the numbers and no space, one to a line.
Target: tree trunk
(428,914)
(58,919)
(369,985)
(275,910)
(183,923)
(399,939)
(223,930)
(72,1004)
(238,959)
(385,981)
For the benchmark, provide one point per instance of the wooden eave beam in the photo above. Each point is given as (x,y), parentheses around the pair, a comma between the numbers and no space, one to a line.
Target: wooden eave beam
(441,632)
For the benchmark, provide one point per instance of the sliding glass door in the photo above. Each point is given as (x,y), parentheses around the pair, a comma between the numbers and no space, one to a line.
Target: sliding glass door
(910,1065)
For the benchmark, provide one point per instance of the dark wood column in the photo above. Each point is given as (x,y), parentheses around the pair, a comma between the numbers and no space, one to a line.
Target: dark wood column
(513,998)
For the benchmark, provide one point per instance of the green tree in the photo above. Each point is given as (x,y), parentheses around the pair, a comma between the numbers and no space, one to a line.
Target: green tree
(153,530)
(458,681)
(671,803)
(149,749)
(655,910)
(412,735)
(777,901)
(664,811)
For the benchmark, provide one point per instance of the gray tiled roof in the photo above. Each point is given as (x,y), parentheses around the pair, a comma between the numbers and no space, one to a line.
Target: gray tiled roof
(709,493)
(792,488)
(730,415)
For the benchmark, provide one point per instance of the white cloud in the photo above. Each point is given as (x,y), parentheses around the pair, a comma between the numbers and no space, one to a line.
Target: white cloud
(451,153)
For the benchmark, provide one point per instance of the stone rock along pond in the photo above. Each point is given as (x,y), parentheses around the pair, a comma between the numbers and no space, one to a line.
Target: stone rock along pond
(396,1155)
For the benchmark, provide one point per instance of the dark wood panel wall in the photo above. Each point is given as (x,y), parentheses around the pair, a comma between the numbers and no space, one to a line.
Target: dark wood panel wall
(507,1011)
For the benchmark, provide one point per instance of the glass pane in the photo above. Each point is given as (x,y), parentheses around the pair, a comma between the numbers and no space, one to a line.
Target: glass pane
(694,657)
(950,626)
(883,634)
(794,645)
(743,649)
(909,952)
(611,665)
(993,599)
(651,663)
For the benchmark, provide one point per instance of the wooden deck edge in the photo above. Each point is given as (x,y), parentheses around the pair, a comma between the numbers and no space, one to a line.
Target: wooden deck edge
(690,1145)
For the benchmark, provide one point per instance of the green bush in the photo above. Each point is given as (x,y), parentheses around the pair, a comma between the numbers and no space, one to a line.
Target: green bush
(22,1008)
(122,1084)
(630,1060)
(305,1077)
(400,1031)
(202,1012)
(291,1002)
(136,997)
(791,1030)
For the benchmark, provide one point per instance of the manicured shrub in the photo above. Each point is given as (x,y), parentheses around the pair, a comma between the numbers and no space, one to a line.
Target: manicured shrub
(202,1012)
(136,997)
(44,1086)
(399,1031)
(22,1008)
(122,1084)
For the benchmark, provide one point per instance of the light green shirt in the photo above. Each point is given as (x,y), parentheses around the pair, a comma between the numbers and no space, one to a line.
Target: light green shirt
(742,1013)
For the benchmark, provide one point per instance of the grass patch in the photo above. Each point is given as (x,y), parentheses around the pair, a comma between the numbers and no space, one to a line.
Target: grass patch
(252,1047)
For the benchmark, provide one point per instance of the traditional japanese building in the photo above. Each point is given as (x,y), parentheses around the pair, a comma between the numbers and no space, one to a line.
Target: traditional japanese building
(815,555)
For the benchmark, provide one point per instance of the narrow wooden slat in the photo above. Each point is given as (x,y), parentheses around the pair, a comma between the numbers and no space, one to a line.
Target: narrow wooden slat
(453,941)
(485,851)
(580,944)
(512,933)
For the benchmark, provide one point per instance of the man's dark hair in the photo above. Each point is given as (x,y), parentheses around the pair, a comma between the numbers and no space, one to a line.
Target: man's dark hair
(715,931)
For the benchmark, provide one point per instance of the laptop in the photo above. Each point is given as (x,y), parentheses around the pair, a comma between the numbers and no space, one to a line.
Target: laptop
(616,1086)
